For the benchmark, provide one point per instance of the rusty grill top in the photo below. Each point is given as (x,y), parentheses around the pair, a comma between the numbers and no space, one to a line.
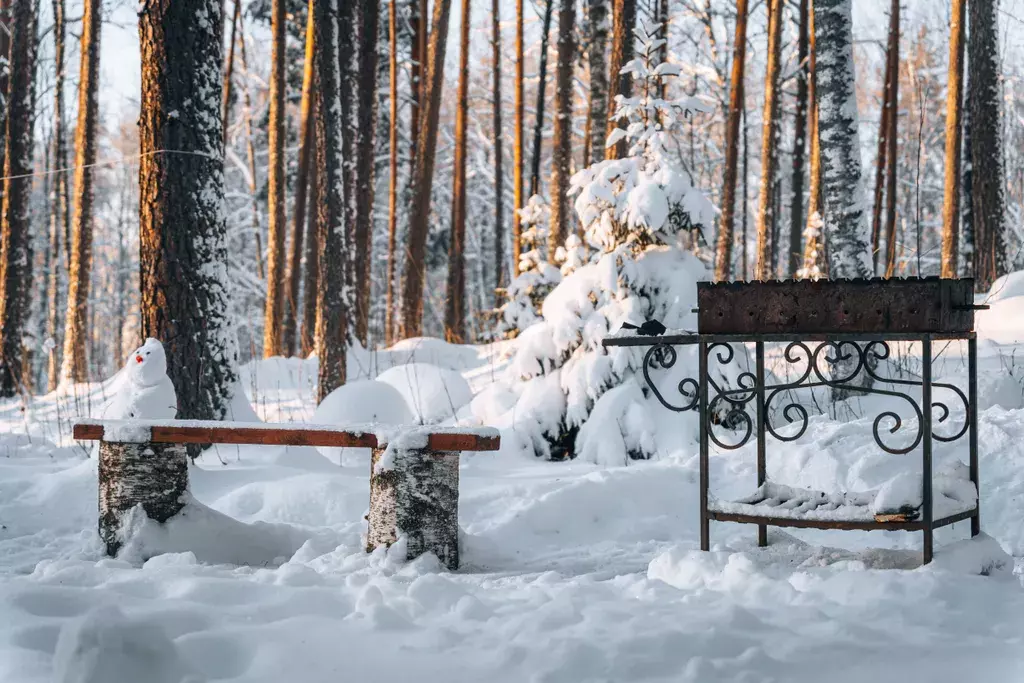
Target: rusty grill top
(913,305)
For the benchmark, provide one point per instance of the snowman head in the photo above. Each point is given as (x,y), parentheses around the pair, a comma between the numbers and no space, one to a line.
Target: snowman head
(148,363)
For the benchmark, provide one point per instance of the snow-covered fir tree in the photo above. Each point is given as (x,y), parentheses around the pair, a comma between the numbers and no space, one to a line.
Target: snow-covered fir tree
(536,278)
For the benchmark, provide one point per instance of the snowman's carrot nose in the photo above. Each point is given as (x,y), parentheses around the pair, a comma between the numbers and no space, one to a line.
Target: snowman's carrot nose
(138,359)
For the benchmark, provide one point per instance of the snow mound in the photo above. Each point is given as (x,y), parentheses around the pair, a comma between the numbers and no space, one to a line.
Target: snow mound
(432,352)
(239,408)
(360,403)
(105,646)
(430,392)
(1008,286)
(979,555)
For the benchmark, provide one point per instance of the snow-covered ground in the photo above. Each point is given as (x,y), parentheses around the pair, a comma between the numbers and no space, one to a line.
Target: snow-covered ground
(571,571)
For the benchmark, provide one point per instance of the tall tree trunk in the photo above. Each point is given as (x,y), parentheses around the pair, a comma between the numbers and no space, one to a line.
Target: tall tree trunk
(987,146)
(597,103)
(891,154)
(769,145)
(5,73)
(423,177)
(561,162)
(332,320)
(796,218)
(251,158)
(499,176)
(623,22)
(389,309)
(954,129)
(314,228)
(723,253)
(417,81)
(290,326)
(517,155)
(183,246)
(274,305)
(59,215)
(366,123)
(15,237)
(814,246)
(229,69)
(846,229)
(455,294)
(74,367)
(880,163)
(538,124)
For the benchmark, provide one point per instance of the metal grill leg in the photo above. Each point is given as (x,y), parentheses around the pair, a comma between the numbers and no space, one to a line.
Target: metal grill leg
(762,468)
(972,416)
(926,450)
(703,418)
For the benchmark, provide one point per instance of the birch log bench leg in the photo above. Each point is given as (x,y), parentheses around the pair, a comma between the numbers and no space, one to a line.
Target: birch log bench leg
(414,477)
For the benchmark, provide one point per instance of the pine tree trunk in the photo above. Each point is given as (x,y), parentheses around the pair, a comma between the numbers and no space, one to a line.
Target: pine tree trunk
(623,22)
(417,80)
(290,325)
(517,156)
(846,230)
(455,294)
(538,123)
(389,310)
(274,305)
(892,158)
(986,145)
(332,27)
(723,254)
(74,367)
(183,247)
(796,218)
(251,155)
(814,246)
(5,73)
(561,162)
(597,104)
(366,122)
(314,229)
(15,225)
(229,69)
(499,176)
(769,148)
(59,215)
(881,163)
(954,130)
(423,178)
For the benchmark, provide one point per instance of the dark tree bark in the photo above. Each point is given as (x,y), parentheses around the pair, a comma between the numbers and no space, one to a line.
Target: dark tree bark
(455,294)
(885,131)
(892,160)
(623,22)
(314,232)
(723,254)
(766,216)
(15,226)
(561,206)
(518,200)
(332,304)
(389,310)
(988,187)
(796,216)
(182,250)
(274,305)
(5,73)
(597,103)
(954,130)
(419,29)
(499,176)
(290,325)
(423,178)
(538,123)
(366,126)
(59,215)
(74,367)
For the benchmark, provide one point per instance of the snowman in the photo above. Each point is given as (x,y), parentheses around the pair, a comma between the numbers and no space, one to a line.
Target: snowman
(143,390)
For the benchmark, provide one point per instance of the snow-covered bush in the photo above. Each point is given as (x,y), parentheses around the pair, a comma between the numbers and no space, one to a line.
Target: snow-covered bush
(633,210)
(536,278)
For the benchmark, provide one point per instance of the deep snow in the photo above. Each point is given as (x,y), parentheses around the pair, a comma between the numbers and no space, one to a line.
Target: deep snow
(572,571)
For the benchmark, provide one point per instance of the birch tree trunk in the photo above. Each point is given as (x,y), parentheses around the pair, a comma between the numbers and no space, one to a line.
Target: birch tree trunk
(499,176)
(290,325)
(623,22)
(274,305)
(59,215)
(723,252)
(538,123)
(561,162)
(517,154)
(74,366)
(597,103)
(796,218)
(15,225)
(769,148)
(988,188)
(183,248)
(846,230)
(423,178)
(389,308)
(332,317)
(954,130)
(455,294)
(366,124)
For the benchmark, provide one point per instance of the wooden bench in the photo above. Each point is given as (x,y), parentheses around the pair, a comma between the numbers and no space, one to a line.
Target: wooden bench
(414,472)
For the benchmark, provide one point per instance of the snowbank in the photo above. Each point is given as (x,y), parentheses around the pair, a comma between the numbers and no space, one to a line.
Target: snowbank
(432,394)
